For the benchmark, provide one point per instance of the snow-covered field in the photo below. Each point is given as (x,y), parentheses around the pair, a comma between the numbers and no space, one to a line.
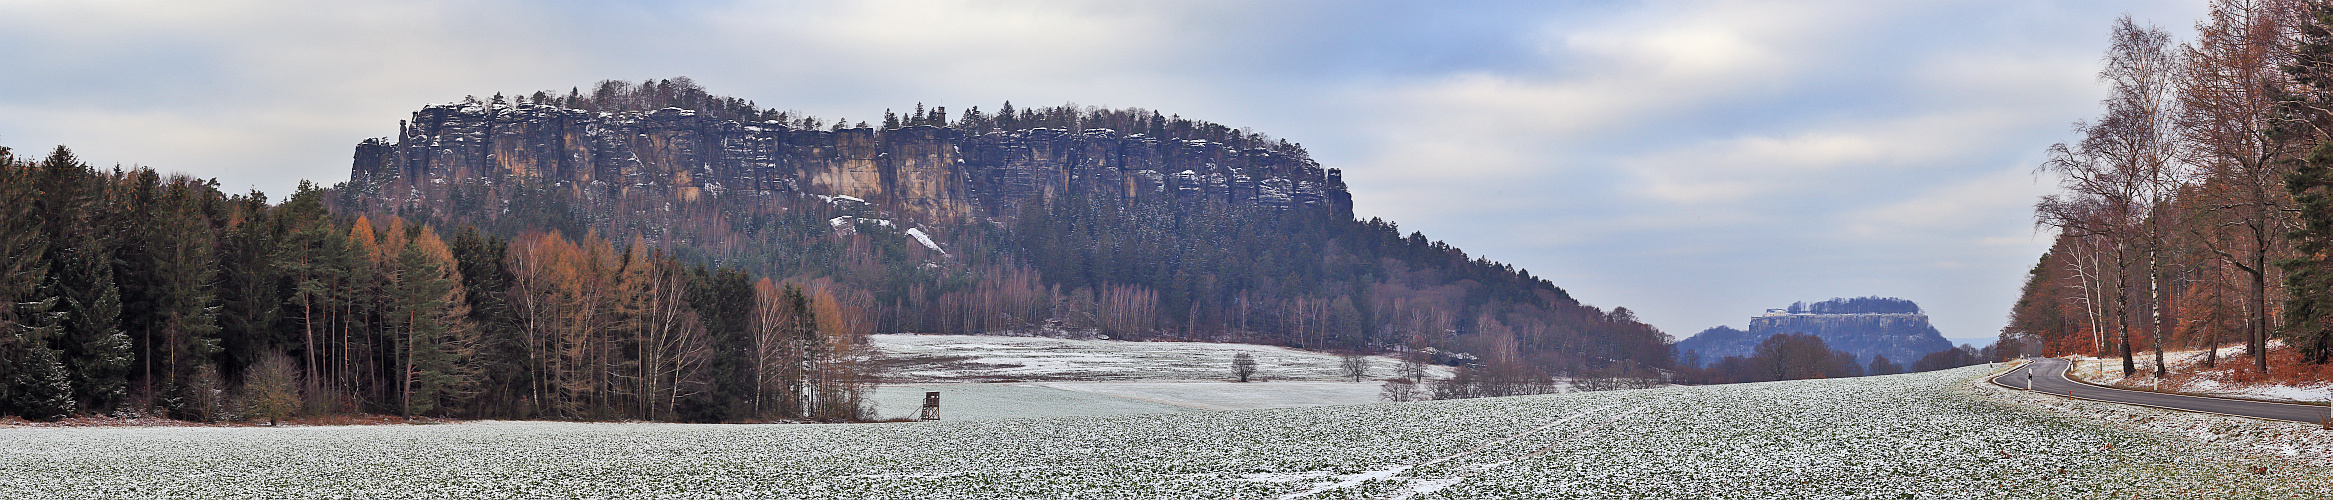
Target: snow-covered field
(1002,401)
(1927,435)
(2183,365)
(985,358)
(982,377)
(1062,399)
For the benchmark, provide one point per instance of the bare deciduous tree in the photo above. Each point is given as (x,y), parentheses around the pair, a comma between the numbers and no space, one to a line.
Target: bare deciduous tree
(1399,390)
(2230,86)
(1243,366)
(1354,364)
(272,389)
(2119,177)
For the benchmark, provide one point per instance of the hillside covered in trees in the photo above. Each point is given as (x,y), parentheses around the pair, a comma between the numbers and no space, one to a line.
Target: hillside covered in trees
(1119,222)
(2197,209)
(131,291)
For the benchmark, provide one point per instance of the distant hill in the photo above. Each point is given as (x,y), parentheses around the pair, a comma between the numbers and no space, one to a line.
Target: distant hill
(1714,343)
(1866,327)
(1128,222)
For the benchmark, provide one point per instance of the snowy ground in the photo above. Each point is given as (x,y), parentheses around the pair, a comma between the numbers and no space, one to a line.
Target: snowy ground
(1926,435)
(1061,399)
(984,358)
(2183,364)
(982,377)
(1002,401)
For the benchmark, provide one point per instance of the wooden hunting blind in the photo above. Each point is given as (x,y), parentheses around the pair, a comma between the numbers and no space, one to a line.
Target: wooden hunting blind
(931,405)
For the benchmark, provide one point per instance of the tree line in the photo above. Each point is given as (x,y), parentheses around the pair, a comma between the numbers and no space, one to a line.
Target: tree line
(132,292)
(1305,278)
(613,96)
(1797,356)
(2197,210)
(1857,305)
(1168,269)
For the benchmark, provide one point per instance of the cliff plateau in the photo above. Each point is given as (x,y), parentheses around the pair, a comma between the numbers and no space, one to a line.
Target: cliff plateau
(647,171)
(1049,220)
(1901,336)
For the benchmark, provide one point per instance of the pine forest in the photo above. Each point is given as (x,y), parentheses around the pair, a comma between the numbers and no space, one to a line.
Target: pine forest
(133,290)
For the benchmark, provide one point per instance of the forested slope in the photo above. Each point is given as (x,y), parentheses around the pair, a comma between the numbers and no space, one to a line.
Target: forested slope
(134,292)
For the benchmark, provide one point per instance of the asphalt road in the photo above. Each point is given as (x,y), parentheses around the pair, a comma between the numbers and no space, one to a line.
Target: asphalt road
(2049,376)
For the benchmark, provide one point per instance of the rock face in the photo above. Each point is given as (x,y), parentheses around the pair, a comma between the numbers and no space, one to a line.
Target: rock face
(1902,337)
(644,171)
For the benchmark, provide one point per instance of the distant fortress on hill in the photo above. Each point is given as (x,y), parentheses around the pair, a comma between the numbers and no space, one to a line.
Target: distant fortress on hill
(1864,326)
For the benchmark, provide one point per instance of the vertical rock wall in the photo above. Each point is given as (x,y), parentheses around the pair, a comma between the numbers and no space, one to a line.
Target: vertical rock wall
(1903,338)
(636,169)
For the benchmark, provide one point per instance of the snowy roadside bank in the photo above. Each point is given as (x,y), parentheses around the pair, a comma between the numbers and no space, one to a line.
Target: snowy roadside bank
(2190,376)
(2298,442)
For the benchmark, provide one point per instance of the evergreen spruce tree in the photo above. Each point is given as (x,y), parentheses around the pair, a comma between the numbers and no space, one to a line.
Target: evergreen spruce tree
(185,273)
(250,288)
(808,349)
(132,210)
(500,354)
(723,300)
(428,309)
(40,388)
(26,320)
(2309,278)
(312,259)
(91,348)
(93,345)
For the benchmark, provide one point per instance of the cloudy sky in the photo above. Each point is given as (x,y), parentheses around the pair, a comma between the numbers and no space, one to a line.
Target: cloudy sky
(1694,161)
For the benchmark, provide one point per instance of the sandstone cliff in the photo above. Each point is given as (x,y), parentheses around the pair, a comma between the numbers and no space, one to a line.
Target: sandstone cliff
(1049,220)
(650,171)
(1902,337)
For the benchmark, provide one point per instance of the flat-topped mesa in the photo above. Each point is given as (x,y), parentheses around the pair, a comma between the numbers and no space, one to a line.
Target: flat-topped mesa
(1866,327)
(1050,220)
(637,165)
(1902,337)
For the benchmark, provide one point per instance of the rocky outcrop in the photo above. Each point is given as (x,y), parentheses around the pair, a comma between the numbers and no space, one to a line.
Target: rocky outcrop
(1902,337)
(643,171)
